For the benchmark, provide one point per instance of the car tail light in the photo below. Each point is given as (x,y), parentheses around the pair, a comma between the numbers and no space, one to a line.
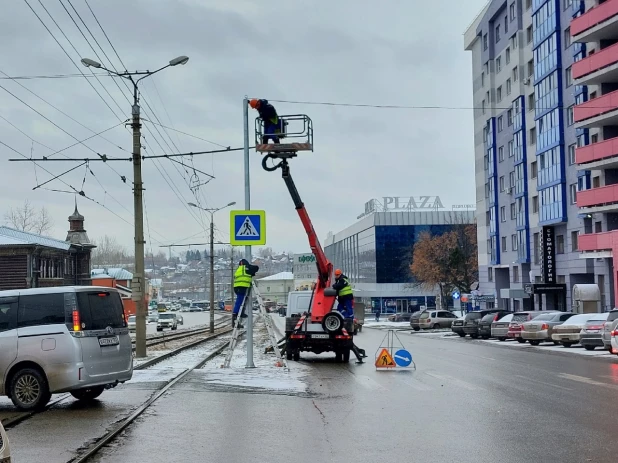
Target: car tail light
(496,317)
(544,326)
(343,336)
(77,323)
(297,336)
(614,333)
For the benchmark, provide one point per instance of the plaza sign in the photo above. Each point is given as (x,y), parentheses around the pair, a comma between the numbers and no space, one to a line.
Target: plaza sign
(404,203)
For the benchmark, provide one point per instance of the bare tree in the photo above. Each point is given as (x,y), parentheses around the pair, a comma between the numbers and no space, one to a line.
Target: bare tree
(27,218)
(109,252)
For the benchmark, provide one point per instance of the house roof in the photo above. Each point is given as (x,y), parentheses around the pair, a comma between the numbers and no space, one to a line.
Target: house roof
(117,273)
(279,276)
(12,237)
(156,282)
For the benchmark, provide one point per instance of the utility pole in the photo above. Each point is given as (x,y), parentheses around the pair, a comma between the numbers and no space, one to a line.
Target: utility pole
(249,305)
(232,276)
(212,273)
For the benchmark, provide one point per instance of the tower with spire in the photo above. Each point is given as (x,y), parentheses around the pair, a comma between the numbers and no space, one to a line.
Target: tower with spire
(77,234)
(79,240)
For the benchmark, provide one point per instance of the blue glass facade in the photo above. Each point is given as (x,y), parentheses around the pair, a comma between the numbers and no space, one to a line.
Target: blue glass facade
(492,182)
(548,111)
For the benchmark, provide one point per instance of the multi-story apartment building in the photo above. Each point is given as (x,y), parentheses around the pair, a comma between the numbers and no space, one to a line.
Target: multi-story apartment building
(525,141)
(594,29)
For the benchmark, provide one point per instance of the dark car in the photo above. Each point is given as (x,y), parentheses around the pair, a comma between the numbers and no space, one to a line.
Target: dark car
(458,325)
(415,320)
(400,317)
(471,322)
(484,326)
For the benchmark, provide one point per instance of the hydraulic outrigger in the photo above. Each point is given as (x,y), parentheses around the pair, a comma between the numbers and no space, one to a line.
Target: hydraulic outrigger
(323,295)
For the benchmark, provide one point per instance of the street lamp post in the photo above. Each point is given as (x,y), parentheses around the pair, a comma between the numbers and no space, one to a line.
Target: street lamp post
(212,258)
(138,285)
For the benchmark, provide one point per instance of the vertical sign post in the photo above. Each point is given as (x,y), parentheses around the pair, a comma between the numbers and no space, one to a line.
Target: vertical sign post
(548,252)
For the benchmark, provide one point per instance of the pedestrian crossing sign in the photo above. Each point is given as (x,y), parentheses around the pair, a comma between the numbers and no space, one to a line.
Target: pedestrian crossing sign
(248,228)
(385,359)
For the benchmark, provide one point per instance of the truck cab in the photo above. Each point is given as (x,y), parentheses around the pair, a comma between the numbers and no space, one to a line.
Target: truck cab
(311,337)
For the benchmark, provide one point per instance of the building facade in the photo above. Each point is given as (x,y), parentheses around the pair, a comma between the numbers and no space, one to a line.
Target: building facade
(594,32)
(525,142)
(376,254)
(276,287)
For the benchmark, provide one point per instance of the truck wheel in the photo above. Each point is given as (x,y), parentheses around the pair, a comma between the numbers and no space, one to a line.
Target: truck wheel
(360,328)
(355,331)
(338,356)
(332,322)
(288,354)
(296,355)
(346,356)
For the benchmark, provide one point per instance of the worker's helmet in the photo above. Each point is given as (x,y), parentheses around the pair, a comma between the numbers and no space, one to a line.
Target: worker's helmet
(338,273)
(254,103)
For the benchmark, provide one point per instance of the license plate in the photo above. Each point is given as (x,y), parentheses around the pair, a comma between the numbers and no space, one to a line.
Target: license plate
(319,336)
(111,341)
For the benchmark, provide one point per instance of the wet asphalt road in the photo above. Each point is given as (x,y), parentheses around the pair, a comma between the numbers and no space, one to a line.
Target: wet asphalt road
(467,402)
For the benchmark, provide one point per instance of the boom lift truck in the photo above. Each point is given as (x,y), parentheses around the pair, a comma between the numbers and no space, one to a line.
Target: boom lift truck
(320,329)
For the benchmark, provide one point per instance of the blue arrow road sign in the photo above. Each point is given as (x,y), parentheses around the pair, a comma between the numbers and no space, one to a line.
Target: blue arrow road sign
(403,358)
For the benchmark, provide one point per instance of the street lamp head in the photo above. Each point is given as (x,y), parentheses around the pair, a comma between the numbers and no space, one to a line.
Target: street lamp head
(231,204)
(89,62)
(192,204)
(179,60)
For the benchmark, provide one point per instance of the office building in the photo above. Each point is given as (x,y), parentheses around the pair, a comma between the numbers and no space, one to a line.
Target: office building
(525,143)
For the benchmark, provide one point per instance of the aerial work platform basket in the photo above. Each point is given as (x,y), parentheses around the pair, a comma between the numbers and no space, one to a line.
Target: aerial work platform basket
(297,128)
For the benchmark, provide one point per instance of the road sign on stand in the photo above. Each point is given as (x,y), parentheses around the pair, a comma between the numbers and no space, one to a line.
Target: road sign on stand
(392,354)
(248,228)
(385,359)
(403,358)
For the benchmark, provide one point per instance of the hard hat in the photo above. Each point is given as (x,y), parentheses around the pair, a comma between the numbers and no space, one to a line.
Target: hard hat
(338,272)
(254,103)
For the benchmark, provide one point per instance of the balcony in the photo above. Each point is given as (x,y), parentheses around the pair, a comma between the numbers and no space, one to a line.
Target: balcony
(597,68)
(597,23)
(602,199)
(598,242)
(602,155)
(598,112)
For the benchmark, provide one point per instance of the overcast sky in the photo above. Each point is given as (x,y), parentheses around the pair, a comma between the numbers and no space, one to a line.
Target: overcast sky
(349,51)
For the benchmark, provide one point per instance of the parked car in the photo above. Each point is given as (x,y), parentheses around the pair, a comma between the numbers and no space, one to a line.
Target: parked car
(484,327)
(541,328)
(179,319)
(569,332)
(471,323)
(5,449)
(614,338)
(458,326)
(434,319)
(167,320)
(500,327)
(519,318)
(414,320)
(400,317)
(592,333)
(131,322)
(607,329)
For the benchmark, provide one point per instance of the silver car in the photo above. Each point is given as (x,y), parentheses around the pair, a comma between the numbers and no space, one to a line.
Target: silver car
(167,320)
(607,329)
(591,335)
(541,328)
(64,339)
(569,332)
(500,328)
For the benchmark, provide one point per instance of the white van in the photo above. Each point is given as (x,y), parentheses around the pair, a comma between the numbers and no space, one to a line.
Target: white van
(64,339)
(5,450)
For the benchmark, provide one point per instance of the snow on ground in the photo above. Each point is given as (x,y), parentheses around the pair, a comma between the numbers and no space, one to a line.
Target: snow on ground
(575,350)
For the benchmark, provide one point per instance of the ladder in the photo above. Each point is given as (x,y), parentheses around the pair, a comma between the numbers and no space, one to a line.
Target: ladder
(237,332)
(268,321)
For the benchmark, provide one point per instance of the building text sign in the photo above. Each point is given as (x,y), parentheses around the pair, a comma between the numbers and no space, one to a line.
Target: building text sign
(405,203)
(548,254)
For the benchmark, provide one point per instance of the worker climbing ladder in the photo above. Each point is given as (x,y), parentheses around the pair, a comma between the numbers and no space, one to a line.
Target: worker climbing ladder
(237,332)
(268,321)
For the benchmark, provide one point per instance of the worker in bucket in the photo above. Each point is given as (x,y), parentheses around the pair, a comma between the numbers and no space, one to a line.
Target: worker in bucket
(273,125)
(242,284)
(344,294)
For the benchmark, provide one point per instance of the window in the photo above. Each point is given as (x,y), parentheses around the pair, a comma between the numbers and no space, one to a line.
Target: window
(511,151)
(487,194)
(530,68)
(535,204)
(534,169)
(503,214)
(528,4)
(529,34)
(515,269)
(515,74)
(572,154)
(598,228)
(482,79)
(483,106)
(561,279)
(486,68)
(593,95)
(41,309)
(499,94)
(568,3)
(511,179)
(537,247)
(507,55)
(567,37)
(500,123)
(509,117)
(513,211)
(501,154)
(98,312)
(506,24)
(498,64)
(570,118)
(502,183)
(568,76)
(596,182)
(485,43)
(574,239)
(559,244)
(594,138)
(573,192)
(514,41)
(490,274)
(8,313)
(508,86)
(512,11)
(532,136)
(514,242)
(497,33)
(531,102)
(504,244)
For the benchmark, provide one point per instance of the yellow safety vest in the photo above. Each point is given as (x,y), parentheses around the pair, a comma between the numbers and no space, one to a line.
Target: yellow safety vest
(241,278)
(346,290)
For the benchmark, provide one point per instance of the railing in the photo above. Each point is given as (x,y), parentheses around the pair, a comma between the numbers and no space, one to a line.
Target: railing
(597,151)
(596,61)
(598,196)
(596,107)
(594,16)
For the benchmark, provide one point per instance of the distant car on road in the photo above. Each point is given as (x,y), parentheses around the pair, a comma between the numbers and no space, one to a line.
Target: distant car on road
(400,317)
(569,332)
(153,317)
(5,450)
(131,322)
(519,318)
(179,319)
(484,328)
(471,322)
(414,320)
(434,319)
(500,328)
(167,320)
(607,329)
(542,327)
(592,333)
(458,325)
